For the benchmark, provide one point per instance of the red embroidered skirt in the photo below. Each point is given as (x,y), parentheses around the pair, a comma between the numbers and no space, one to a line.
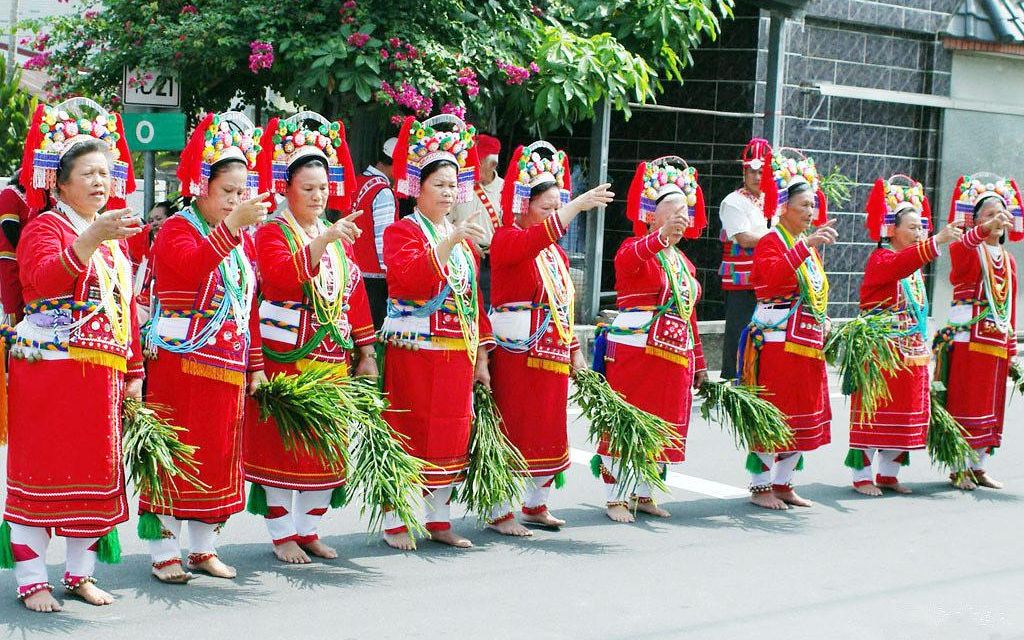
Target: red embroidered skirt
(976,394)
(265,459)
(533,404)
(655,385)
(431,396)
(902,422)
(64,466)
(211,412)
(798,386)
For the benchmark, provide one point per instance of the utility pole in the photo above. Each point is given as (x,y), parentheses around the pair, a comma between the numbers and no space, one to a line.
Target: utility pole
(12,40)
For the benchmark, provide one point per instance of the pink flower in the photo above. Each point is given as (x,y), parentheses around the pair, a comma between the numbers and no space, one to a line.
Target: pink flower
(534,68)
(358,39)
(349,4)
(457,110)
(406,96)
(38,61)
(515,74)
(261,55)
(90,14)
(467,78)
(384,54)
(394,42)
(189,8)
(397,120)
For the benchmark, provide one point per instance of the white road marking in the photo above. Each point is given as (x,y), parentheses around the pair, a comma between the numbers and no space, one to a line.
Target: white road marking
(677,480)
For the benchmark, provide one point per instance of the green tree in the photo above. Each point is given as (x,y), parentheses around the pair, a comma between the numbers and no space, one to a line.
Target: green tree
(498,60)
(16,107)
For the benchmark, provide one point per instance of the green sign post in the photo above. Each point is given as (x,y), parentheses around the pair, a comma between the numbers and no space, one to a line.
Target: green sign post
(155,131)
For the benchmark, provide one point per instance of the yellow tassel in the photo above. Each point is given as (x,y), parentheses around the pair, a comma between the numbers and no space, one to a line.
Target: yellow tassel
(339,369)
(448,344)
(3,393)
(997,352)
(220,374)
(801,350)
(102,358)
(748,372)
(548,365)
(916,361)
(667,355)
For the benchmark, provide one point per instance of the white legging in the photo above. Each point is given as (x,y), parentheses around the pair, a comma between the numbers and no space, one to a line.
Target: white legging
(29,545)
(777,469)
(295,515)
(615,489)
(888,466)
(437,512)
(539,488)
(202,538)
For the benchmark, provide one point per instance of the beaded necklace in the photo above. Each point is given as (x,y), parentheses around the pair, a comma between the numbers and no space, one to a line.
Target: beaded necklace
(115,280)
(239,285)
(461,278)
(327,289)
(917,301)
(561,293)
(996,284)
(810,277)
(682,285)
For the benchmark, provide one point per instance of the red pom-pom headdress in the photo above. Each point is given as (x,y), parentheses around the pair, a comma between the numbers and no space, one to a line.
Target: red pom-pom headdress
(529,167)
(219,137)
(55,130)
(890,196)
(288,140)
(657,178)
(972,189)
(441,137)
(785,168)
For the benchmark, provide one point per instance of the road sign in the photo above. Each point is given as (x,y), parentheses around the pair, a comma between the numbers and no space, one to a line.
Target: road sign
(150,89)
(157,131)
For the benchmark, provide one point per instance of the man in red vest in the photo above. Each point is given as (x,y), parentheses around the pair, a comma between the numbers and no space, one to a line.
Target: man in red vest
(376,199)
(743,225)
(14,213)
(484,206)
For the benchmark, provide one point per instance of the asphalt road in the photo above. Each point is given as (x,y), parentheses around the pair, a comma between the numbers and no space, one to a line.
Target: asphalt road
(937,564)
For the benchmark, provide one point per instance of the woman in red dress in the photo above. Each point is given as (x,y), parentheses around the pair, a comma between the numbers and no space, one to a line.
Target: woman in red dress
(654,356)
(533,309)
(437,334)
(899,215)
(204,338)
(75,355)
(313,313)
(782,351)
(982,319)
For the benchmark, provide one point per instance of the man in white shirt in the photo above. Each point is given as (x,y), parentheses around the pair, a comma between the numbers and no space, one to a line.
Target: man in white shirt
(484,207)
(743,225)
(376,199)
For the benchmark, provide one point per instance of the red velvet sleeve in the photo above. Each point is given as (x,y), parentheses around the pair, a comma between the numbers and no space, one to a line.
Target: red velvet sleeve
(359,307)
(412,263)
(964,266)
(279,267)
(774,272)
(47,266)
(255,339)
(136,369)
(635,252)
(1013,308)
(890,266)
(512,245)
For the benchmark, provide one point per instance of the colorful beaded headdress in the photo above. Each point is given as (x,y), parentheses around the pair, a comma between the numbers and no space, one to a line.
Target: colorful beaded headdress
(972,189)
(442,137)
(55,130)
(288,140)
(787,168)
(658,178)
(754,153)
(217,138)
(891,196)
(530,166)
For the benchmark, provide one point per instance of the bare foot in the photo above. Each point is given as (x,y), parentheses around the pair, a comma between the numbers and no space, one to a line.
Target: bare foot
(868,490)
(767,500)
(320,550)
(984,480)
(544,518)
(214,567)
(897,487)
(790,498)
(449,537)
(964,482)
(291,553)
(92,594)
(172,574)
(620,513)
(509,527)
(42,601)
(401,541)
(650,508)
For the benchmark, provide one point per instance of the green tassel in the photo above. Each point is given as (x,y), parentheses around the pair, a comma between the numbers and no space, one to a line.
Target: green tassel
(595,466)
(108,550)
(339,497)
(149,527)
(905,459)
(257,503)
(664,472)
(855,459)
(378,351)
(754,464)
(6,553)
(455,494)
(799,463)
(559,479)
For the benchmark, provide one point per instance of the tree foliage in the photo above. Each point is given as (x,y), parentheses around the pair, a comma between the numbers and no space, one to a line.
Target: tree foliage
(16,107)
(550,62)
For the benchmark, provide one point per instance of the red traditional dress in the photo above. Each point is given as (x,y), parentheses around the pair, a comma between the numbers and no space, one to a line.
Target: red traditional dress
(14,214)
(982,327)
(71,356)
